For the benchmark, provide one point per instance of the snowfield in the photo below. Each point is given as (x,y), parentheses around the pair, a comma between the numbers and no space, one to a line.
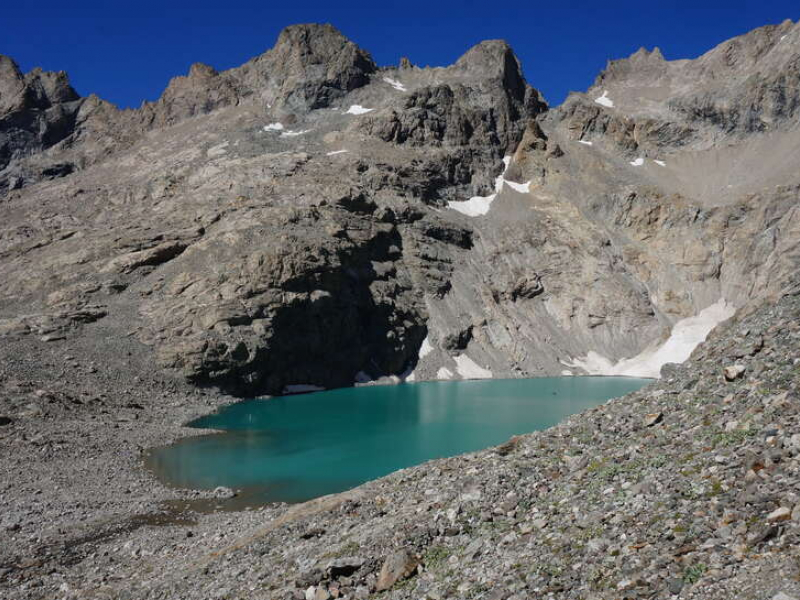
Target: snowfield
(357,109)
(604,100)
(395,84)
(479,205)
(686,335)
(469,369)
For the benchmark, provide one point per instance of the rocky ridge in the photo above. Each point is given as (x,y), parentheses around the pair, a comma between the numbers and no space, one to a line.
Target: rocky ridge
(301,220)
(699,501)
(310,178)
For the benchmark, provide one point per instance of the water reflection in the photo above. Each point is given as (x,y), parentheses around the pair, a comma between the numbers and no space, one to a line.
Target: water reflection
(295,448)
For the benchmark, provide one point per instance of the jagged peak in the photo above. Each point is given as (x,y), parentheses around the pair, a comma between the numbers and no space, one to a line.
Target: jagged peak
(35,89)
(317,43)
(9,69)
(200,70)
(494,59)
(489,56)
(643,54)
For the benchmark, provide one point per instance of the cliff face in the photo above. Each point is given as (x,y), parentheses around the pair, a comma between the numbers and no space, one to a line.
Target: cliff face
(312,218)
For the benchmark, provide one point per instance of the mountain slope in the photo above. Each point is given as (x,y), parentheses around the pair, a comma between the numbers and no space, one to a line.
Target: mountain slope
(254,226)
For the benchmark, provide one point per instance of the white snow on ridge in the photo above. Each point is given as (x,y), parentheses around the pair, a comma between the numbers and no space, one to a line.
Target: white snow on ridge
(426,348)
(686,335)
(475,206)
(479,205)
(357,109)
(444,373)
(638,162)
(604,100)
(335,152)
(522,188)
(660,163)
(301,388)
(584,142)
(469,369)
(395,84)
(274,127)
(294,133)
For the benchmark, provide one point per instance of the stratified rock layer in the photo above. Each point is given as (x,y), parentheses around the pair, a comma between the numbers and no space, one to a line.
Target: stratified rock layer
(297,220)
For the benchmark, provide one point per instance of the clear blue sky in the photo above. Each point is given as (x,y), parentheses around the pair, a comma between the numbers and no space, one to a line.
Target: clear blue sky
(126,51)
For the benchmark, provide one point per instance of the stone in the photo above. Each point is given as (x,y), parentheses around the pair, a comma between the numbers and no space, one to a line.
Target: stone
(653,419)
(733,372)
(675,585)
(779,514)
(322,593)
(398,566)
(343,567)
(223,493)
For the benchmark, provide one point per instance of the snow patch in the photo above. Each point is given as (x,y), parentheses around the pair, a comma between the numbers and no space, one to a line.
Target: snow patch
(522,188)
(395,84)
(686,335)
(274,127)
(294,133)
(660,163)
(479,205)
(584,142)
(469,369)
(357,109)
(566,373)
(426,348)
(301,388)
(474,207)
(638,162)
(335,152)
(604,100)
(217,150)
(444,373)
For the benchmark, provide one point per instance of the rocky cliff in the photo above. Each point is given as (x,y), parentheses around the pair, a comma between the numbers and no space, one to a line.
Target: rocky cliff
(311,218)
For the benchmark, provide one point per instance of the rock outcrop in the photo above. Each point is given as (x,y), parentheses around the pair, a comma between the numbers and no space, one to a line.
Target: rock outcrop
(300,219)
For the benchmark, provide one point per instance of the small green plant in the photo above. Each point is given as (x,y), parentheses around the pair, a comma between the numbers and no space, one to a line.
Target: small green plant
(716,488)
(435,556)
(349,549)
(730,438)
(693,573)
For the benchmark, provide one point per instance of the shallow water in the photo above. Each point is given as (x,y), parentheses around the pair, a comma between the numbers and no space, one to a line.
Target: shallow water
(295,448)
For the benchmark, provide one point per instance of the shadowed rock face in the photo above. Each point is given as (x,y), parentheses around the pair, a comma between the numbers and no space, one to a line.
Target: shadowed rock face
(296,220)
(37,111)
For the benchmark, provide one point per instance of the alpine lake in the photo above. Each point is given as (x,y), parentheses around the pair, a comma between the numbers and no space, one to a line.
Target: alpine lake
(295,448)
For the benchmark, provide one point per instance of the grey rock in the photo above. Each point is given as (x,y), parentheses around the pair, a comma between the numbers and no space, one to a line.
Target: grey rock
(733,372)
(343,567)
(398,566)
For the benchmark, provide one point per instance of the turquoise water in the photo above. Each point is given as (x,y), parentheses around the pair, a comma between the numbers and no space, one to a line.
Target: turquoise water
(295,448)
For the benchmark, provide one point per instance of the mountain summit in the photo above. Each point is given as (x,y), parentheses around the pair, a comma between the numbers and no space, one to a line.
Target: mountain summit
(351,212)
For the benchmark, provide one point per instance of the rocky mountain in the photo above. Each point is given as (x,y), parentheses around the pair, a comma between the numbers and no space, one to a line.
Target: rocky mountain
(312,218)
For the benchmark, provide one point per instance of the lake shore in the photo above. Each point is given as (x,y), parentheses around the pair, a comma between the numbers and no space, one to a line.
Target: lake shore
(699,501)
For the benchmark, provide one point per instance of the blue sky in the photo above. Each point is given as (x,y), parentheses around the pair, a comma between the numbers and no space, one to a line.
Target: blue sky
(126,52)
